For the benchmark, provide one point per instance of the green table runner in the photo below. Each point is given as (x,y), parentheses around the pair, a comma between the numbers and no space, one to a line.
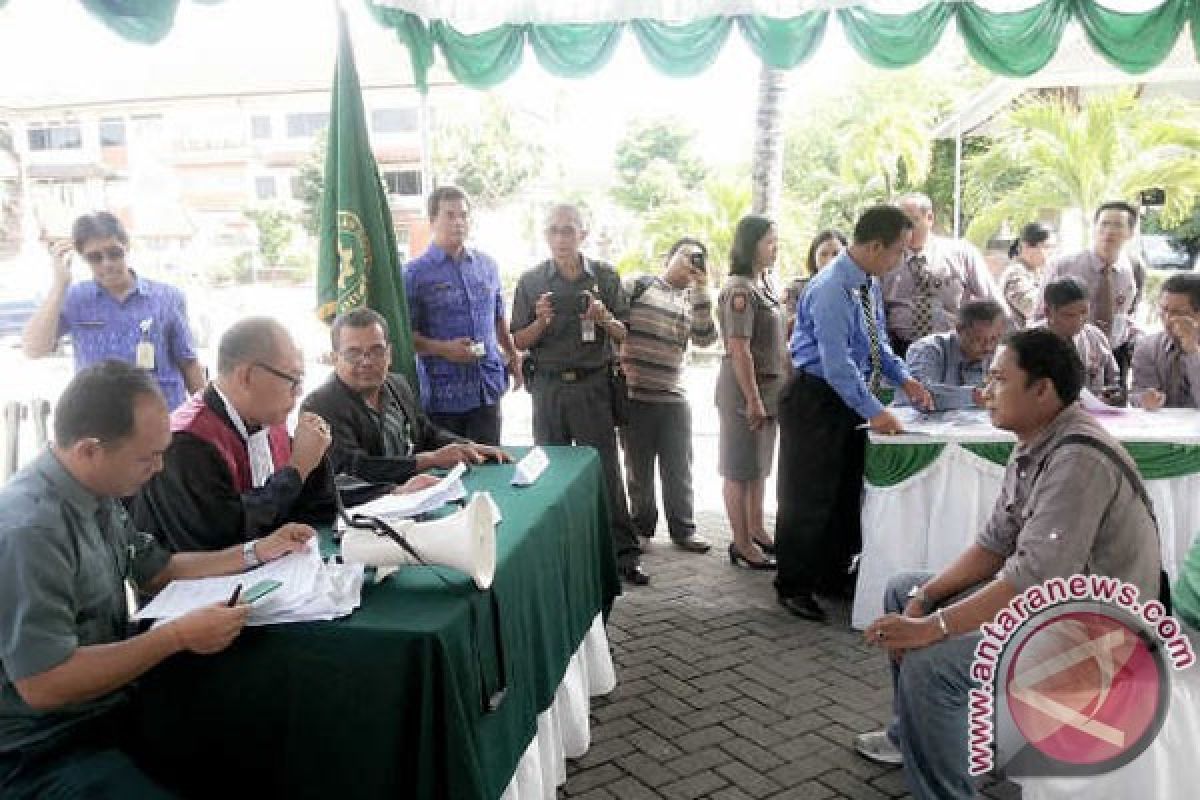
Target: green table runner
(889,464)
(386,702)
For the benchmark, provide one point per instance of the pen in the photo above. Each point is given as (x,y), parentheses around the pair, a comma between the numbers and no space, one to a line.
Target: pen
(233,598)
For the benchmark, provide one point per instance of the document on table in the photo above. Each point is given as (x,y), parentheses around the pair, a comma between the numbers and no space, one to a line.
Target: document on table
(311,590)
(1095,405)
(530,468)
(404,506)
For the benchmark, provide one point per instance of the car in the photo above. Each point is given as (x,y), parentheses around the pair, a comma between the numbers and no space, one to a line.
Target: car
(1161,251)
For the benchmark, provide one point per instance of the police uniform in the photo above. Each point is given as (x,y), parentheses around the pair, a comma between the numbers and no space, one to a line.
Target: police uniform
(746,310)
(572,398)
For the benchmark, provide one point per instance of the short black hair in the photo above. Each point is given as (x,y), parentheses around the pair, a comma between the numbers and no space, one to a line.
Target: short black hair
(1117,205)
(979,311)
(357,318)
(810,263)
(99,225)
(248,340)
(1032,234)
(883,223)
(750,231)
(683,241)
(1041,353)
(1063,292)
(442,193)
(98,403)
(1185,283)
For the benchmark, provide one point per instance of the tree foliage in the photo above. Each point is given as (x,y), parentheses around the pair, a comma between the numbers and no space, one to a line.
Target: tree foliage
(311,177)
(655,167)
(485,154)
(275,229)
(1052,154)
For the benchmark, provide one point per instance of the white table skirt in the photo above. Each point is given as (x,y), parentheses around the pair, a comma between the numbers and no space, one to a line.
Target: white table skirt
(925,521)
(563,729)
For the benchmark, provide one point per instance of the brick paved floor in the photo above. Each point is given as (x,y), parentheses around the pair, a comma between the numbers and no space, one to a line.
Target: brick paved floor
(721,694)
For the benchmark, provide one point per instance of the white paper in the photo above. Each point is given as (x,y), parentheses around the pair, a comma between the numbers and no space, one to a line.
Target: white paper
(404,506)
(530,468)
(1095,405)
(311,590)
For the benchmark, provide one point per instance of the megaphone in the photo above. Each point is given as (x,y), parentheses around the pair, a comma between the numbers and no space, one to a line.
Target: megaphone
(464,540)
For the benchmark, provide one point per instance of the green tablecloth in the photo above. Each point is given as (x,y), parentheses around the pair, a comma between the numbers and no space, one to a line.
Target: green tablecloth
(386,702)
(889,464)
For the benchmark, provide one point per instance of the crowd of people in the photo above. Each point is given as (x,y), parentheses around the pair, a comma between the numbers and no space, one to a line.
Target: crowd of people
(156,472)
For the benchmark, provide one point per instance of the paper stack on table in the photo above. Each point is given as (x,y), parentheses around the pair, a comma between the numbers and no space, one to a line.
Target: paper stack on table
(404,506)
(530,468)
(311,590)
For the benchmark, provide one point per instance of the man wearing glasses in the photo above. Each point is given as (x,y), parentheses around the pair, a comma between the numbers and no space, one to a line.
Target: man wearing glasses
(118,314)
(231,473)
(380,435)
(567,313)
(460,329)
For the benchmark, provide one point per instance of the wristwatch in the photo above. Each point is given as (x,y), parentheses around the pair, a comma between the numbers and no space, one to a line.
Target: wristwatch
(249,555)
(917,592)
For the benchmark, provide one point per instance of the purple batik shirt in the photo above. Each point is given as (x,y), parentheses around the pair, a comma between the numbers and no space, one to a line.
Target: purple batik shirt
(450,299)
(102,327)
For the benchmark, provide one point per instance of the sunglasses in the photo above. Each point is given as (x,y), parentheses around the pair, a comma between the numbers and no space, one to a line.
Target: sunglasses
(96,257)
(297,382)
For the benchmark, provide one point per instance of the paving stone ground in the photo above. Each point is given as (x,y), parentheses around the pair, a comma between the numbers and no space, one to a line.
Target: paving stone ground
(721,694)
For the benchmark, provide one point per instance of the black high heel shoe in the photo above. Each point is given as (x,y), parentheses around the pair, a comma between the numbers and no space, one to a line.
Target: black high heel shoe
(766,547)
(735,556)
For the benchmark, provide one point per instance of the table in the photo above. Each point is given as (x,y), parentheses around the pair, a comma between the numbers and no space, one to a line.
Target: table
(928,495)
(387,702)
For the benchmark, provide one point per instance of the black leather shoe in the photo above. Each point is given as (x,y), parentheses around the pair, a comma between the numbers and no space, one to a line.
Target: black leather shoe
(765,546)
(736,558)
(633,574)
(693,543)
(803,606)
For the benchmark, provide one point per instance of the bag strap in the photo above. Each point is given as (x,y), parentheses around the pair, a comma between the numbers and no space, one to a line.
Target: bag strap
(1135,483)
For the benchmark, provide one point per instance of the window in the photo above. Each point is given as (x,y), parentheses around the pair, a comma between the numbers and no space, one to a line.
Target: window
(260,126)
(406,182)
(264,187)
(393,120)
(306,124)
(112,132)
(55,137)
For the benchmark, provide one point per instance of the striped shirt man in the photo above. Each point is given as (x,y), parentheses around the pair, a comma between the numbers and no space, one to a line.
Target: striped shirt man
(662,320)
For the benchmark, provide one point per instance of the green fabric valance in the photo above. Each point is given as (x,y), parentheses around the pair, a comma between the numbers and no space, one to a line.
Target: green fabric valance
(890,464)
(1014,43)
(144,21)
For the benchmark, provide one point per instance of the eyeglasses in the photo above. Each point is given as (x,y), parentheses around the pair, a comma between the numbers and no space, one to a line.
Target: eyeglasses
(353,355)
(562,230)
(96,257)
(297,381)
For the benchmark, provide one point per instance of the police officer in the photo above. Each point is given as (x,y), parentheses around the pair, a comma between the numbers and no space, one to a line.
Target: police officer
(567,313)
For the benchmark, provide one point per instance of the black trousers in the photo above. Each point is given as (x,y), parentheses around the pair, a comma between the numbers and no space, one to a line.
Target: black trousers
(480,425)
(818,524)
(1124,358)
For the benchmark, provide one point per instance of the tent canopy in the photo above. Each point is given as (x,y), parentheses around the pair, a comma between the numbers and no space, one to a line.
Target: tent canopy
(483,41)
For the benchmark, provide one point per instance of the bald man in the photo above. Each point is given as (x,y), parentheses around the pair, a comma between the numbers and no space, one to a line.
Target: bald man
(231,471)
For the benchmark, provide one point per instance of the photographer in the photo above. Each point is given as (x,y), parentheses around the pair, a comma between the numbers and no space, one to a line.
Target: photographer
(567,313)
(665,313)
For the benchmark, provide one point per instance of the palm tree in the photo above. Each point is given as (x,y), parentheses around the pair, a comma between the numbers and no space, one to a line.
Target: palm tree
(1051,154)
(768,142)
(712,220)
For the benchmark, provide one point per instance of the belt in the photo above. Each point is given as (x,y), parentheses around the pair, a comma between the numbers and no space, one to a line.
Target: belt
(572,375)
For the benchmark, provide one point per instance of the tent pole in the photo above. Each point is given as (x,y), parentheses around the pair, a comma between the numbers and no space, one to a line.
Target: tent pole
(426,148)
(958,143)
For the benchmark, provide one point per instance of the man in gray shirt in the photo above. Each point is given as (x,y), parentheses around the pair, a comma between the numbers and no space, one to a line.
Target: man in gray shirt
(67,656)
(952,366)
(568,314)
(1166,366)
(1065,508)
(936,276)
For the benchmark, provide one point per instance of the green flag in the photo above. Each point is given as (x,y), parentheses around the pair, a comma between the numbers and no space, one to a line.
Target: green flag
(358,264)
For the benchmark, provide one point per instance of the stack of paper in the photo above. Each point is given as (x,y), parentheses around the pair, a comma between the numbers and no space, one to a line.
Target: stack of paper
(311,590)
(393,507)
(530,468)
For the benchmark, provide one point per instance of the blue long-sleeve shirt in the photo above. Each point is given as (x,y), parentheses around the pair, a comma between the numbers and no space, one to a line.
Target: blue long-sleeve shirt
(830,338)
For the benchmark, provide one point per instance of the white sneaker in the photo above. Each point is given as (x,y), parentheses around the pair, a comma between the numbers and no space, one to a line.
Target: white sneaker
(877,747)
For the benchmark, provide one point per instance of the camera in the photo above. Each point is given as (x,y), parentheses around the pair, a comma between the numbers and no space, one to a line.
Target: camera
(697,260)
(583,301)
